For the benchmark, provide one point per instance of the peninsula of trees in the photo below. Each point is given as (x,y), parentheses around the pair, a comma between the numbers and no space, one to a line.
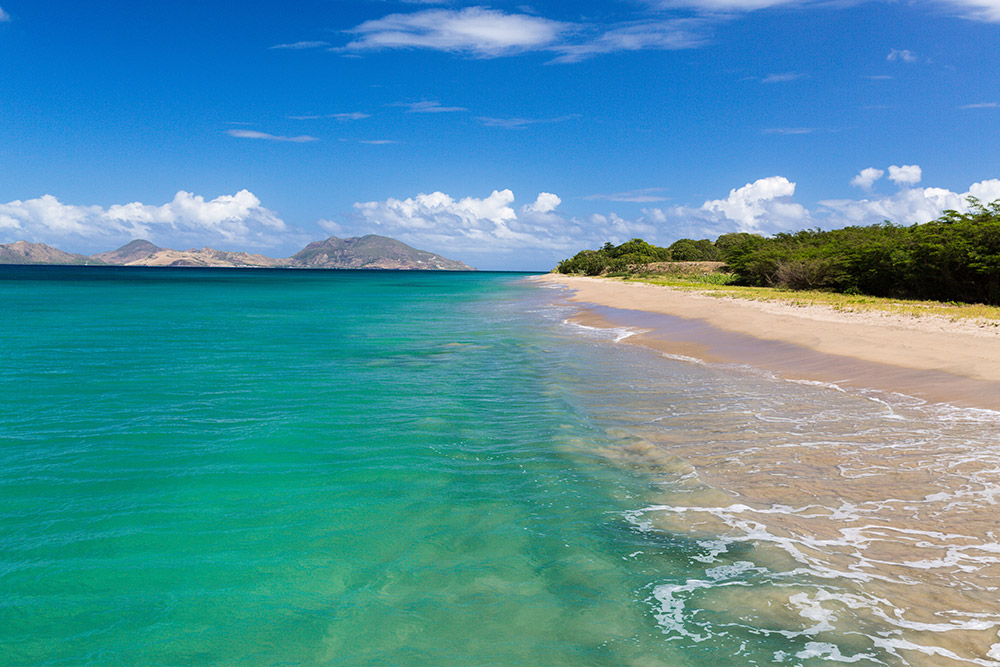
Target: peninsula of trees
(953,258)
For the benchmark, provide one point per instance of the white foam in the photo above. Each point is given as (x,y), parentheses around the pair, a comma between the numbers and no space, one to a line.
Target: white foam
(832,653)
(617,334)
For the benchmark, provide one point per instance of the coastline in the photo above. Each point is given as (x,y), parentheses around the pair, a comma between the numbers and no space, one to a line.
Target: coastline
(928,357)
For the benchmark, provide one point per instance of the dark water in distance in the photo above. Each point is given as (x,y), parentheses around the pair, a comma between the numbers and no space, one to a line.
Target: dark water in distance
(257,467)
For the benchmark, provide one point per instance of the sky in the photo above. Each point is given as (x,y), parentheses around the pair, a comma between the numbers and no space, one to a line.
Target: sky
(506,135)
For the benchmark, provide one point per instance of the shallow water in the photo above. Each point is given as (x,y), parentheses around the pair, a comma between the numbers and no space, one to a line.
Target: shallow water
(266,467)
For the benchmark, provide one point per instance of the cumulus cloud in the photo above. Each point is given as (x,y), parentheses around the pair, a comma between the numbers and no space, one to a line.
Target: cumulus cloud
(906,207)
(254,134)
(472,225)
(539,233)
(985,191)
(908,174)
(901,55)
(766,200)
(545,203)
(473,30)
(235,220)
(866,178)
(469,225)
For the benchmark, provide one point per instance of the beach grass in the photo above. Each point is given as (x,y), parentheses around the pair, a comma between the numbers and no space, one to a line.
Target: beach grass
(720,284)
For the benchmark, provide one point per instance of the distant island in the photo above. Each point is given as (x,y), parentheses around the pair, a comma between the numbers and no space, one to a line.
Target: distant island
(364,252)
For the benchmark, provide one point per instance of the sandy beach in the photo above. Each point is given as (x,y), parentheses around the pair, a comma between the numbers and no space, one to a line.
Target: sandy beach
(930,357)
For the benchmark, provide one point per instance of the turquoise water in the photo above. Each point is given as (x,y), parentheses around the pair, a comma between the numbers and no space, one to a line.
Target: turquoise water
(229,467)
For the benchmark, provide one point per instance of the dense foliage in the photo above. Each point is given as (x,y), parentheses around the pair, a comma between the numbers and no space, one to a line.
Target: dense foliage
(636,255)
(953,258)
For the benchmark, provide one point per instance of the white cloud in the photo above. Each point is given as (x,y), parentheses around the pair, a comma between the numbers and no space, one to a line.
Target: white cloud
(724,5)
(353,115)
(764,203)
(906,207)
(471,226)
(908,174)
(867,177)
(515,123)
(234,220)
(977,10)
(901,55)
(669,35)
(254,134)
(644,195)
(981,105)
(331,227)
(545,203)
(298,46)
(537,234)
(790,130)
(782,77)
(985,191)
(377,142)
(484,32)
(429,106)
(4,16)
(473,30)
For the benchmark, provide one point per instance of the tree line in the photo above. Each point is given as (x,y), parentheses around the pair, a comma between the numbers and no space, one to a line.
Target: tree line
(955,257)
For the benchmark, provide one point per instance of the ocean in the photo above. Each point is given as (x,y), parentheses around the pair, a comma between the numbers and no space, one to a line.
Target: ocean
(266,467)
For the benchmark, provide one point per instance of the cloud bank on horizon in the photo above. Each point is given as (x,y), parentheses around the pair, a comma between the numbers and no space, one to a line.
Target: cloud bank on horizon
(478,228)
(235,221)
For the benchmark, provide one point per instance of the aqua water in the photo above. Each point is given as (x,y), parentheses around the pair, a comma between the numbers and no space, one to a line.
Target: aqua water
(255,467)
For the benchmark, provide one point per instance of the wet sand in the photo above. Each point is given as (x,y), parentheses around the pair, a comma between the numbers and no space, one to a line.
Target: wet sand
(870,531)
(929,357)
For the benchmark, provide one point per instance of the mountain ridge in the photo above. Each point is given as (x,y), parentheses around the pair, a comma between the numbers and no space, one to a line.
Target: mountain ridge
(371,251)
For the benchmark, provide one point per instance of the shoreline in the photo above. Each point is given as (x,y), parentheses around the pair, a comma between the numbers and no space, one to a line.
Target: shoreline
(929,357)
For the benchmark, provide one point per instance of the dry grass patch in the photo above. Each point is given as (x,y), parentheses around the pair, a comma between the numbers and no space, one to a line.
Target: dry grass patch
(719,285)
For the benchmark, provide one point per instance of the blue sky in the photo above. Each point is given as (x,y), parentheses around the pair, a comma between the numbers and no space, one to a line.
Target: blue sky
(507,135)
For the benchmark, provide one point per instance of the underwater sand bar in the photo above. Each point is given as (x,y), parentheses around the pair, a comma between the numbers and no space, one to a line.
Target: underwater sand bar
(930,357)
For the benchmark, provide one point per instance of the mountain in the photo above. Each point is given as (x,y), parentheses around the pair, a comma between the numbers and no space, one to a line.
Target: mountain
(133,251)
(366,252)
(144,253)
(22,252)
(371,252)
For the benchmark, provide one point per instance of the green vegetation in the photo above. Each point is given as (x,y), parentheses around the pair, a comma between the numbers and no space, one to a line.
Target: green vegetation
(636,256)
(955,258)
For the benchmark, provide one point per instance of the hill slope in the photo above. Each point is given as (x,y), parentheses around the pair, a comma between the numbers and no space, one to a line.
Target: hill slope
(371,252)
(130,252)
(22,252)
